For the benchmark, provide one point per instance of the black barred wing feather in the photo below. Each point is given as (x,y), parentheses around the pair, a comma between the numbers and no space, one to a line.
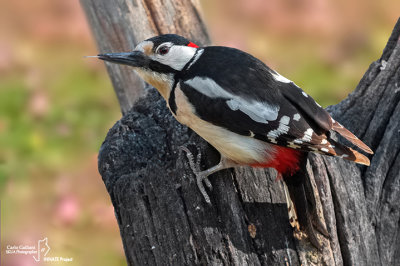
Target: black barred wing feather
(256,101)
(350,136)
(281,124)
(314,113)
(306,105)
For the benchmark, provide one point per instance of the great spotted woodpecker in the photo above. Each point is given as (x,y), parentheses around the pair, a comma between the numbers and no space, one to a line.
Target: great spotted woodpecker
(250,113)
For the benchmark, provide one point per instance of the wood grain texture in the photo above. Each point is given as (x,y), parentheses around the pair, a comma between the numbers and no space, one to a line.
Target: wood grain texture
(163,218)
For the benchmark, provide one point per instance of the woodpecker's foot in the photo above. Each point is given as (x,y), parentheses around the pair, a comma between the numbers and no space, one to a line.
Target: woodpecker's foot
(200,175)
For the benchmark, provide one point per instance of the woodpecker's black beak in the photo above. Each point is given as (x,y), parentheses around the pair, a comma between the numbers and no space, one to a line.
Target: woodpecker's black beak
(135,58)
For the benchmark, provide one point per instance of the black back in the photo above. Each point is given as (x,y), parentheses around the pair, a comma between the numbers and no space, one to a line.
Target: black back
(245,76)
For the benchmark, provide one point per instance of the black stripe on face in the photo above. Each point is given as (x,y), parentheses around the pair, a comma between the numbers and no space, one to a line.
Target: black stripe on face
(161,68)
(190,61)
(171,99)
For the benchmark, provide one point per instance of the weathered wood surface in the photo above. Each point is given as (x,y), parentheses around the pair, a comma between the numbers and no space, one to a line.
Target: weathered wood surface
(164,220)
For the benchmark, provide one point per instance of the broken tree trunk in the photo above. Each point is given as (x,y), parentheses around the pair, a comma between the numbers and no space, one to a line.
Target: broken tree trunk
(164,219)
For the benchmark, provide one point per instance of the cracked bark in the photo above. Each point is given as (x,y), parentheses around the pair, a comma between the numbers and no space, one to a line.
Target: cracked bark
(162,216)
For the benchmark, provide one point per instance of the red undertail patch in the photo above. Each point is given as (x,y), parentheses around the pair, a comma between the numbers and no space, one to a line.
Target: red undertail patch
(286,161)
(193,45)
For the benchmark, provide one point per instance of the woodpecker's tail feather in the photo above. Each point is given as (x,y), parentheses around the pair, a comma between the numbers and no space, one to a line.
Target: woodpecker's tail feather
(351,137)
(348,153)
(302,207)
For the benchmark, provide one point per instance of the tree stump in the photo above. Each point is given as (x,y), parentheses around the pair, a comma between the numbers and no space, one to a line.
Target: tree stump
(164,219)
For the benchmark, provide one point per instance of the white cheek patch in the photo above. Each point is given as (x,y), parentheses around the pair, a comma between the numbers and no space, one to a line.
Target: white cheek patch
(197,56)
(177,56)
(260,112)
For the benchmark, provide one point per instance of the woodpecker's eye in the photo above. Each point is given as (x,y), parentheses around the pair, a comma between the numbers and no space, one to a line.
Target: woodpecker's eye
(163,50)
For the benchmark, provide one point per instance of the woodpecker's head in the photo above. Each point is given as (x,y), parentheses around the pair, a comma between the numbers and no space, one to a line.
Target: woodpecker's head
(157,59)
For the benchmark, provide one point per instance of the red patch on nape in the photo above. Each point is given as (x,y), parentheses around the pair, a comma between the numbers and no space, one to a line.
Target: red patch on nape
(286,161)
(193,45)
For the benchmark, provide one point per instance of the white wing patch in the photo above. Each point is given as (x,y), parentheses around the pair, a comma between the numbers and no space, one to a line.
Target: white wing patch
(296,117)
(283,128)
(279,77)
(208,87)
(260,112)
(292,145)
(257,111)
(307,135)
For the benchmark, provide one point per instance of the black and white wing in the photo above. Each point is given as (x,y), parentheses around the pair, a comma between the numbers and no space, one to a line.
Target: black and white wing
(256,101)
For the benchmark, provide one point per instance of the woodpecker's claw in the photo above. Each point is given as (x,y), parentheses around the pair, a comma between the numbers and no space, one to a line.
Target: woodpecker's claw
(200,175)
(302,207)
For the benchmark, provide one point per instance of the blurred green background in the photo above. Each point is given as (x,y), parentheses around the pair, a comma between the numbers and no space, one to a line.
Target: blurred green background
(56,107)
